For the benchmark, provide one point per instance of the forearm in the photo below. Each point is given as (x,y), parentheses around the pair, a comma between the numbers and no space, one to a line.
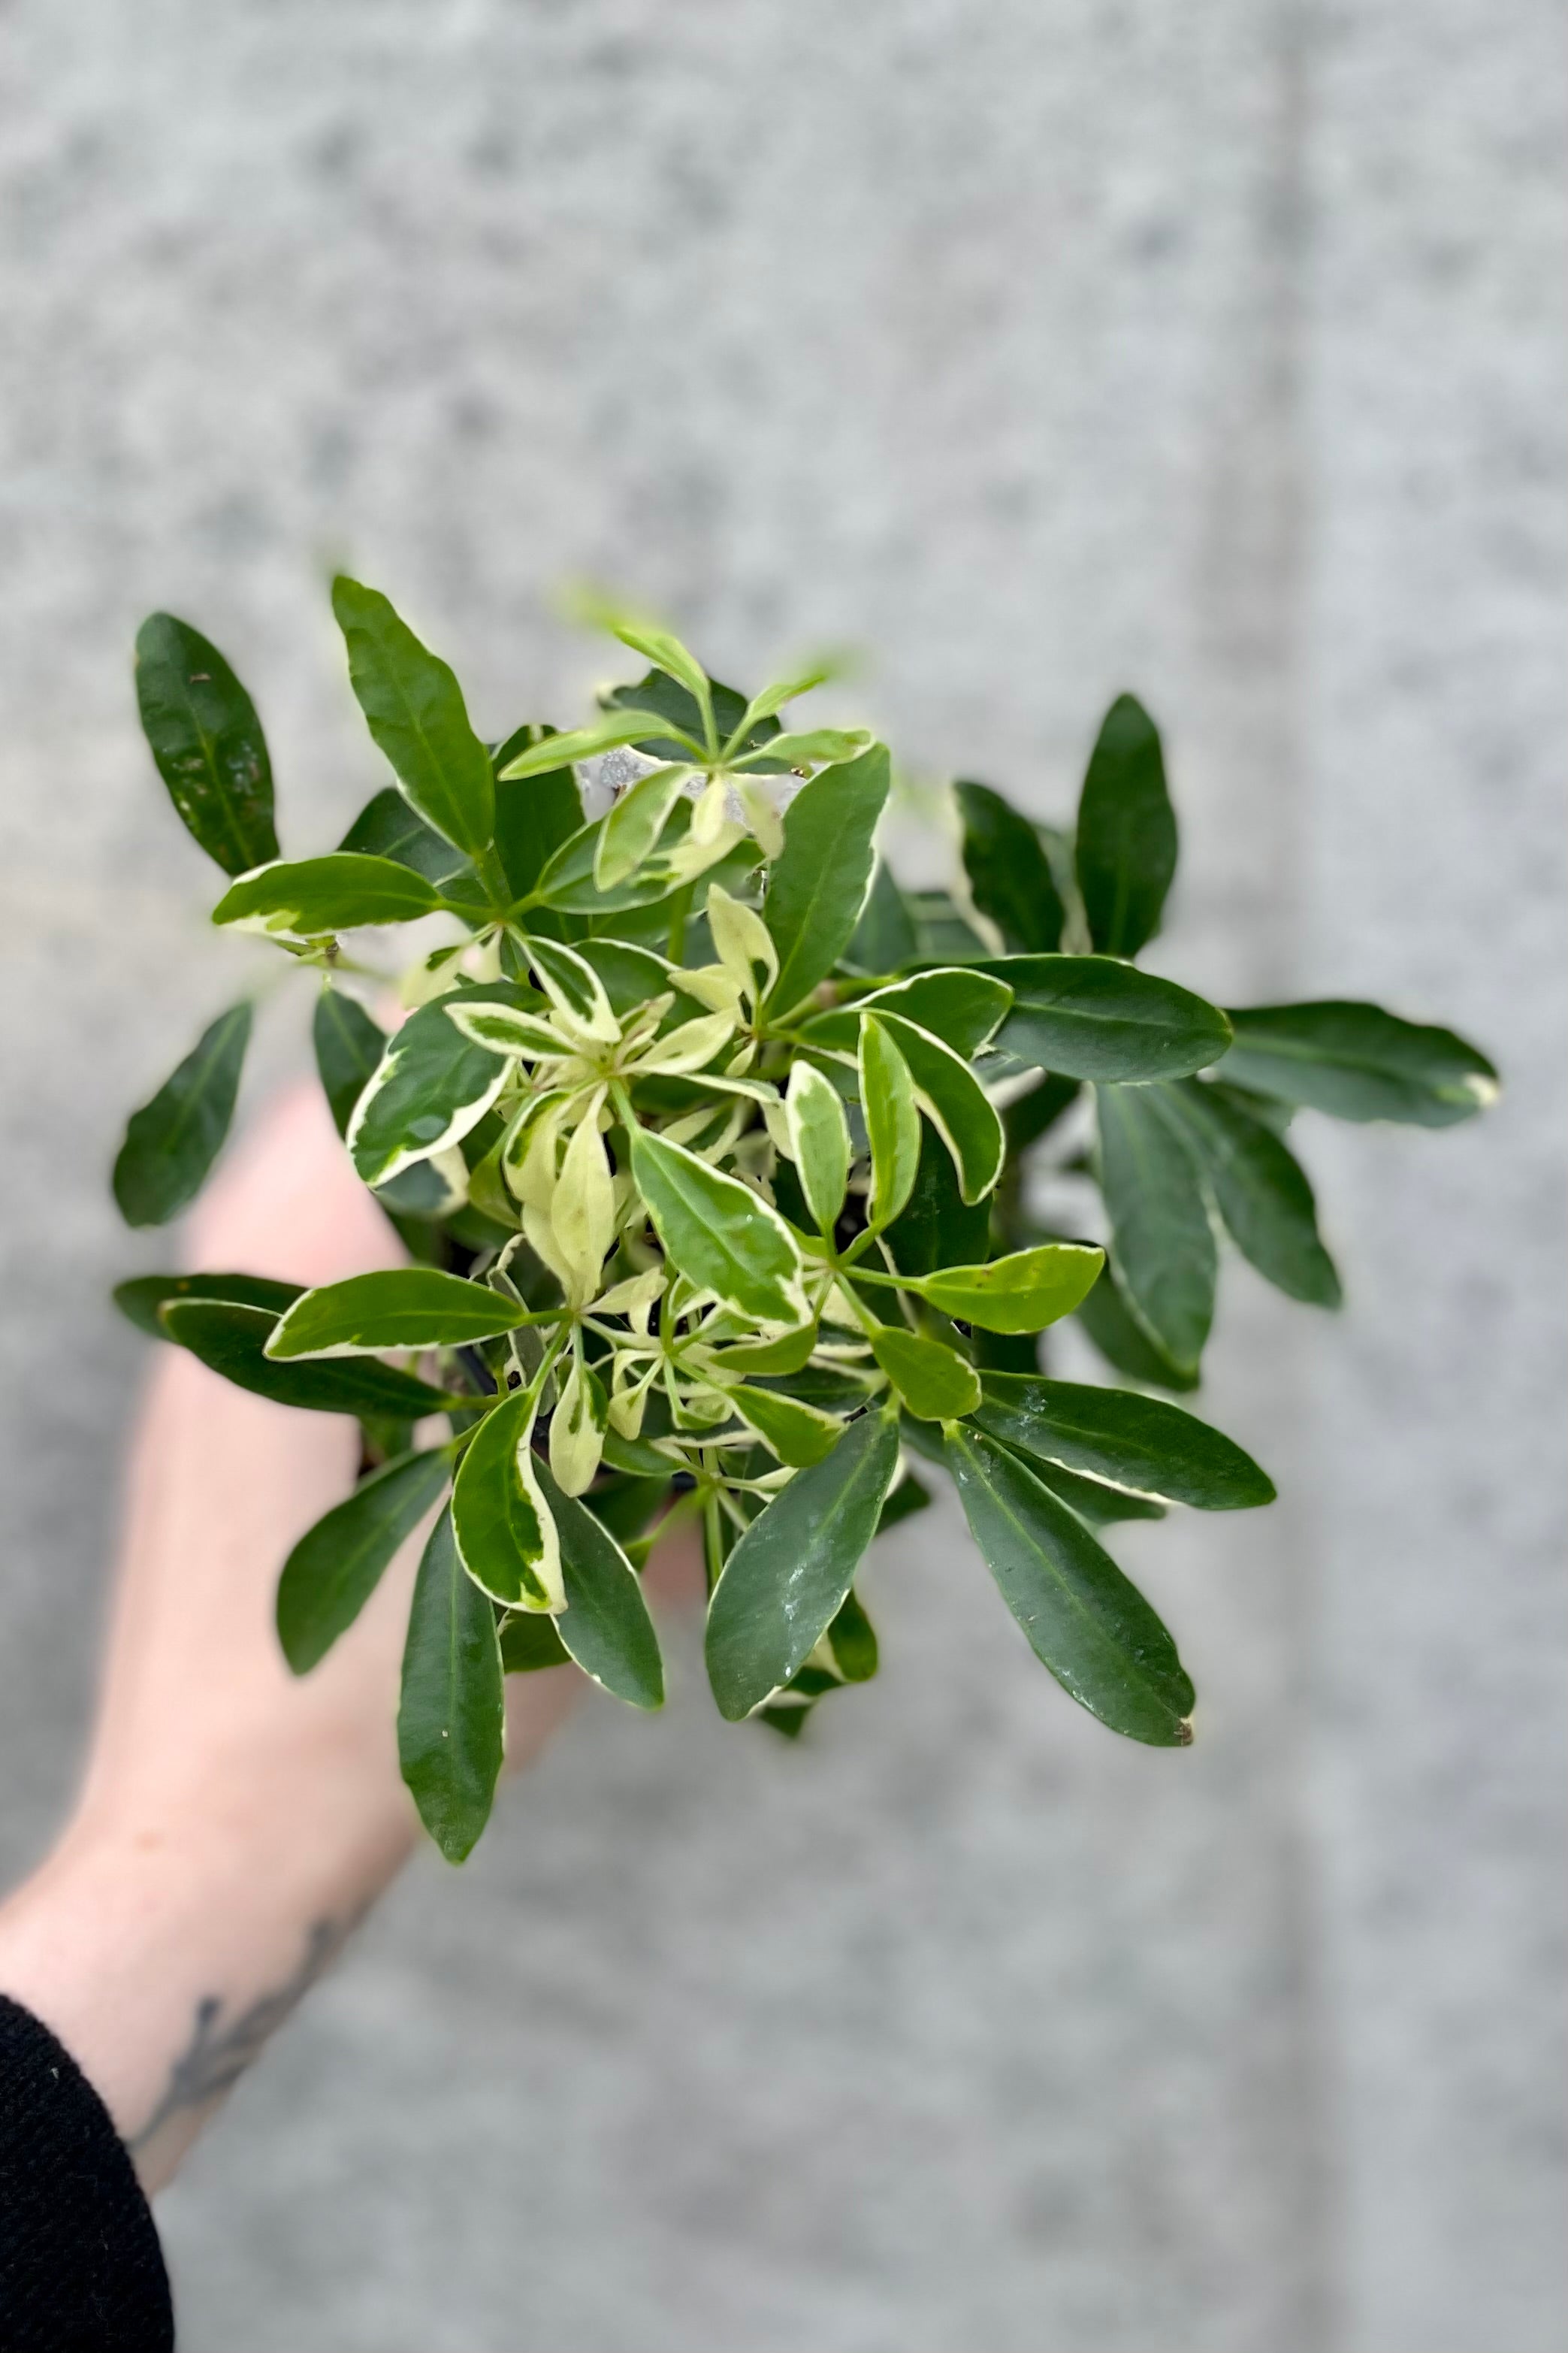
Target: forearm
(164,1944)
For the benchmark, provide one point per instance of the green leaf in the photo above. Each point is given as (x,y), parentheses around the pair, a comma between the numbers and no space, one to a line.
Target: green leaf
(171,1142)
(955,1103)
(387,827)
(451,1719)
(606,1624)
(1027,1117)
(528,1643)
(207,742)
(1163,1247)
(904,1500)
(958,1004)
(785,1582)
(310,896)
(1084,1620)
(535,817)
(657,646)
(633,826)
(396,1307)
(1094,1500)
(230,1337)
(1135,1441)
(933,1381)
(1126,833)
(140,1299)
(884,939)
(1261,1191)
(432,1086)
(798,1434)
(892,1122)
(675,707)
(607,735)
(819,1139)
(631,976)
(852,1639)
(1091,1017)
(1022,1292)
(1356,1061)
(937,1227)
(572,986)
(415,709)
(336,1566)
(348,1047)
(506,1534)
(721,1235)
(817,884)
(1123,1341)
(1009,875)
(567,881)
(813,745)
(943,933)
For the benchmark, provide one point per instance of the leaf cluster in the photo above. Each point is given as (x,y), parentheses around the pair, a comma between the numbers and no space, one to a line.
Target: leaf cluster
(712,1149)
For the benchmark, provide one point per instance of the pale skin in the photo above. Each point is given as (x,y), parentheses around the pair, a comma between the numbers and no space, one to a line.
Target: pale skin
(234,1822)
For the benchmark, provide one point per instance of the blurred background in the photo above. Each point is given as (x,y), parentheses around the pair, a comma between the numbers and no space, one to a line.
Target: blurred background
(1219,351)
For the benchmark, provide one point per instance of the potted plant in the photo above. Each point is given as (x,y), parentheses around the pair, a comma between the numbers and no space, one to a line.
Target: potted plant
(708,1145)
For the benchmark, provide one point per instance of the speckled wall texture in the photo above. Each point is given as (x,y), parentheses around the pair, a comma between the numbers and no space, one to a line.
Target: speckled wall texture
(1217,350)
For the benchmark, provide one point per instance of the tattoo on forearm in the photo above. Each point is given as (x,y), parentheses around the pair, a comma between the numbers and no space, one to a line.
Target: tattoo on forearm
(217,2055)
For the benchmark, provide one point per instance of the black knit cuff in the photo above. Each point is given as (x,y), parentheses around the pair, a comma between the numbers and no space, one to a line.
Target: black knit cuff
(80,2267)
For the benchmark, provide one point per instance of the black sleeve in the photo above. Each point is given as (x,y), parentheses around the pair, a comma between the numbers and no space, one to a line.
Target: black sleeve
(80,2267)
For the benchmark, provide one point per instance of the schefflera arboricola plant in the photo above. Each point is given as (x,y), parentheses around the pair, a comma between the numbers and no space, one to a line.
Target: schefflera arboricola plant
(706,1141)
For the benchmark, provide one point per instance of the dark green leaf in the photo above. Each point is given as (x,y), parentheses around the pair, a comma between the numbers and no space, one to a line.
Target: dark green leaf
(907,1498)
(1092,1499)
(396,1307)
(387,827)
(528,1643)
(231,1337)
(956,1003)
(171,1142)
(140,1299)
(1135,1441)
(852,1638)
(311,896)
(817,885)
(953,1100)
(1356,1061)
(937,1228)
(665,695)
(534,816)
(348,1047)
(1123,1343)
(1093,1017)
(785,1580)
(207,742)
(451,1720)
(606,1624)
(628,1506)
(1261,1191)
(431,1087)
(415,709)
(1126,832)
(1027,1117)
(336,1566)
(631,977)
(1085,1621)
(1162,1248)
(884,939)
(941,932)
(1009,874)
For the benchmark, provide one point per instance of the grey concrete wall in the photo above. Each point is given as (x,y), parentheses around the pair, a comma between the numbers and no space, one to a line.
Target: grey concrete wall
(1219,350)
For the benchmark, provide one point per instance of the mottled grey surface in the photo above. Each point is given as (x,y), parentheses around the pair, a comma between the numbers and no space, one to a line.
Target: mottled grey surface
(1219,350)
